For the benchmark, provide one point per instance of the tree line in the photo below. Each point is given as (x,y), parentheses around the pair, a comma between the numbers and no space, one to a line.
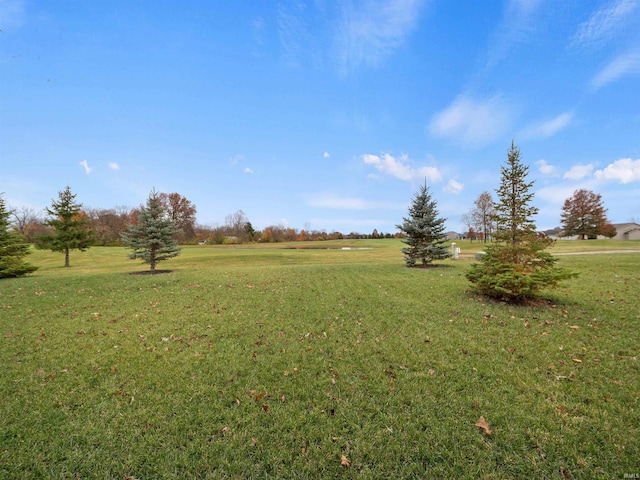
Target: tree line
(583,215)
(515,266)
(108,224)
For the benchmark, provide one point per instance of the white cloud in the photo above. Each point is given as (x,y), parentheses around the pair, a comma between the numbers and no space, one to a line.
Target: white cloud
(548,128)
(248,170)
(624,170)
(85,165)
(578,172)
(114,166)
(627,64)
(349,203)
(545,168)
(605,23)
(370,31)
(475,123)
(454,186)
(401,167)
(326,155)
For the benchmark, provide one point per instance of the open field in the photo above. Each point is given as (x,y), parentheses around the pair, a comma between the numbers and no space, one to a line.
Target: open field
(271,362)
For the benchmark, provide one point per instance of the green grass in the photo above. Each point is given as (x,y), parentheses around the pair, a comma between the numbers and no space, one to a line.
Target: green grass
(274,362)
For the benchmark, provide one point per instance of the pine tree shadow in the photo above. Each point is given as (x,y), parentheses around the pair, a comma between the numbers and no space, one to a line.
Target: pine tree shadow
(149,272)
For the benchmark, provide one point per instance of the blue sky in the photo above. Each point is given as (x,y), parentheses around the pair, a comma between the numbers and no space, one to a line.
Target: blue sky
(319,114)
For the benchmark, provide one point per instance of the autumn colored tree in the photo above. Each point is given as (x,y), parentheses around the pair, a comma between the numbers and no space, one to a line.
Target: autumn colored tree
(109,224)
(152,238)
(583,214)
(13,249)
(609,231)
(70,226)
(183,214)
(424,230)
(518,266)
(483,215)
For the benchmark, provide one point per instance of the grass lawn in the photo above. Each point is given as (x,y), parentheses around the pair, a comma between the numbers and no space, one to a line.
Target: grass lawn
(271,362)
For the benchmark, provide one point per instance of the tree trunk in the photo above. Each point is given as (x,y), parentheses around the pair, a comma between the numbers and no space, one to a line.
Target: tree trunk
(66,257)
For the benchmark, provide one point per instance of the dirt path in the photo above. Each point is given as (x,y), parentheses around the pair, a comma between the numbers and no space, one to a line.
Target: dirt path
(597,252)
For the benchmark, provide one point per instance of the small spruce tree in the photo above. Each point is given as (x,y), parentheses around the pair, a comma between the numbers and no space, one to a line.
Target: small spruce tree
(152,238)
(70,226)
(424,231)
(12,248)
(517,267)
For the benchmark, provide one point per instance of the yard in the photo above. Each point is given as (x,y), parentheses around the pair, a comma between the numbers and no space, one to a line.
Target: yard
(274,362)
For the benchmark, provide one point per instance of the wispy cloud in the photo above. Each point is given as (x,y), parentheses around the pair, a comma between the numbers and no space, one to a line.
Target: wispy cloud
(368,33)
(474,123)
(401,167)
(627,64)
(578,172)
(12,13)
(114,166)
(547,128)
(517,26)
(545,168)
(624,170)
(292,31)
(605,23)
(326,155)
(453,186)
(248,170)
(326,200)
(85,165)
(236,159)
(348,36)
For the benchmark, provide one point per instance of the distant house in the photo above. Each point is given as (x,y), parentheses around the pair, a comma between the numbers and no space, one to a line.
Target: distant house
(627,231)
(453,236)
(624,231)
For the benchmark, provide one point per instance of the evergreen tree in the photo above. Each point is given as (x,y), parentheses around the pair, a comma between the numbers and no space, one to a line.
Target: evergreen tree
(516,267)
(424,231)
(12,248)
(70,225)
(152,239)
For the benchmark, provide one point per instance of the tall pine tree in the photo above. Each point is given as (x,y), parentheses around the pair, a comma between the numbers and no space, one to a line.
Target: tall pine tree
(70,226)
(13,249)
(424,230)
(516,267)
(152,239)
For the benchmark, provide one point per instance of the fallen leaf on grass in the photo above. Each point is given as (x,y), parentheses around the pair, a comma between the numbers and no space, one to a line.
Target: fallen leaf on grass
(265,407)
(564,473)
(577,360)
(482,423)
(344,461)
(575,327)
(8,335)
